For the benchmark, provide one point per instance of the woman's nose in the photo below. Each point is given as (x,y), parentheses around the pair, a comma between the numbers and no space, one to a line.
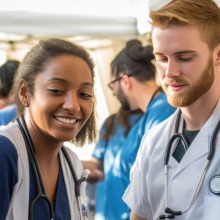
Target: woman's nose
(71,102)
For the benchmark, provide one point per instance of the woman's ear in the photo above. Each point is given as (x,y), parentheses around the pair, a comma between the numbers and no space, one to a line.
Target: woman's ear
(23,94)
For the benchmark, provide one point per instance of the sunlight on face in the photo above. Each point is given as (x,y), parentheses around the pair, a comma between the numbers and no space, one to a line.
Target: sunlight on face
(196,90)
(184,64)
(63,98)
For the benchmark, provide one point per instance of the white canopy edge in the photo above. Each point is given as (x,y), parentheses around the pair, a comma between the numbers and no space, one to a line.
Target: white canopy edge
(23,22)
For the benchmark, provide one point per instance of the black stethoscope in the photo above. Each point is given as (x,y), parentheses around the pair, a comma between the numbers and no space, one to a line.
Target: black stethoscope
(215,181)
(41,193)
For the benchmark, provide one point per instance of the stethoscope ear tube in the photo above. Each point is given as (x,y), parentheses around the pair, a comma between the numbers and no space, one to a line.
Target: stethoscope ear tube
(41,192)
(73,173)
(76,181)
(213,140)
(170,143)
(214,182)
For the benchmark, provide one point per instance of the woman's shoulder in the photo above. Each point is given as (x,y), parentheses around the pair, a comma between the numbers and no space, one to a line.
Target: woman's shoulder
(12,132)
(7,149)
(74,159)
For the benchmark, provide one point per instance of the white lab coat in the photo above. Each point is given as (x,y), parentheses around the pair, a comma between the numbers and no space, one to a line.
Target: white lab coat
(146,193)
(19,206)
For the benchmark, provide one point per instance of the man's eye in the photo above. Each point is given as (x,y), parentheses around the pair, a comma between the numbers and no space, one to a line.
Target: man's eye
(185,59)
(161,59)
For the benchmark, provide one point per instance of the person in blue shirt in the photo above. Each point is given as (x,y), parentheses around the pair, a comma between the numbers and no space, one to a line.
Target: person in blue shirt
(54,95)
(7,107)
(134,84)
(7,114)
(113,133)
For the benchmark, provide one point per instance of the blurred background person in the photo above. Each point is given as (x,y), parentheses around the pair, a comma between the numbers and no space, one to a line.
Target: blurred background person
(134,84)
(7,107)
(112,135)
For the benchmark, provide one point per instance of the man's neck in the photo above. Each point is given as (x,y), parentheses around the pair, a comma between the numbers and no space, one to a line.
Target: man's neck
(198,113)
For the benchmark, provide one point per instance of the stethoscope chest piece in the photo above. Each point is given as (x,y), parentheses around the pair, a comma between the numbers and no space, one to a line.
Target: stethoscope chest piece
(214,184)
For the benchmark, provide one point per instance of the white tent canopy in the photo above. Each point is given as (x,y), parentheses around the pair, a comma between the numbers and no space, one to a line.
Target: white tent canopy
(33,23)
(95,18)
(109,22)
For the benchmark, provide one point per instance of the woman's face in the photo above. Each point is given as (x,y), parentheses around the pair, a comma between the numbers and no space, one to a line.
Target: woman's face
(62,100)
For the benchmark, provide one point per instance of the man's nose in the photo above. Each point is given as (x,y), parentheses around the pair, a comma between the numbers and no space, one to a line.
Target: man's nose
(172,69)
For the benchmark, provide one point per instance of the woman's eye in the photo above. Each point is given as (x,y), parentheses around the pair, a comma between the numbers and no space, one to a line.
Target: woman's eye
(86,95)
(56,91)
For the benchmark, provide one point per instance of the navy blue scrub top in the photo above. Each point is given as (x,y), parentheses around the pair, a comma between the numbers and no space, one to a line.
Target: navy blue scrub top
(9,177)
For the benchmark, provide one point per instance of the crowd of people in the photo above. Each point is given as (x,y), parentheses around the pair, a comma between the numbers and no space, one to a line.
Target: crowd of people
(156,157)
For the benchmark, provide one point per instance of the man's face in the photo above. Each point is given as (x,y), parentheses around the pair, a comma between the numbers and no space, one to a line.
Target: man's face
(184,63)
(115,86)
(122,98)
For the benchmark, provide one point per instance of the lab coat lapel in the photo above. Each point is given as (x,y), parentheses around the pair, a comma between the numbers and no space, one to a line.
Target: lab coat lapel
(201,144)
(198,149)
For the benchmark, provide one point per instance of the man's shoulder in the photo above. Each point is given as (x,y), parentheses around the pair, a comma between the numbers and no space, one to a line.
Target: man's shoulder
(163,127)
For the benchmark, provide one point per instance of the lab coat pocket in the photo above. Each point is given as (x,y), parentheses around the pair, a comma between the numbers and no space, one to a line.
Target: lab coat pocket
(212,208)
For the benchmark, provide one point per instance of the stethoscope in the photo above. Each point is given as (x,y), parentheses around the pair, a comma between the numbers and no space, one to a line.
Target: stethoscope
(41,193)
(170,213)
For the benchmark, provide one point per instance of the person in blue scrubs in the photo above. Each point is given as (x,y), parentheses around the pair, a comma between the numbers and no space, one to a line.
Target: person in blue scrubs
(113,133)
(7,114)
(133,82)
(54,95)
(7,107)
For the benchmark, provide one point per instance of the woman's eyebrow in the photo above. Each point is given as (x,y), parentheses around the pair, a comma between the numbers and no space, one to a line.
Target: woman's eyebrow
(66,81)
(58,79)
(87,83)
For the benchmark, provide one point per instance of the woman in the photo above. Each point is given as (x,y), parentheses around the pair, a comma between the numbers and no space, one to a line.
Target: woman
(55,102)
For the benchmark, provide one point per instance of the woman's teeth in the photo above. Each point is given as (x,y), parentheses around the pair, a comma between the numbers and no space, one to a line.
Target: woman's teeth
(66,120)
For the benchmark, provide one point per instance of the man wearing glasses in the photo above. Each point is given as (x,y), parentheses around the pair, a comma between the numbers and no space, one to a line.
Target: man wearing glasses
(133,83)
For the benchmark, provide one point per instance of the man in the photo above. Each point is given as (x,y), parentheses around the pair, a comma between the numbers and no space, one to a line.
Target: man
(186,41)
(133,82)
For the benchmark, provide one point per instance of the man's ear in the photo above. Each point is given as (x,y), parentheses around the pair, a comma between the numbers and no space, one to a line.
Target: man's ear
(127,82)
(217,55)
(23,94)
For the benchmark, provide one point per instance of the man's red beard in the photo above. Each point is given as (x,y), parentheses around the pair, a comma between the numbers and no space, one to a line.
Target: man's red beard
(191,92)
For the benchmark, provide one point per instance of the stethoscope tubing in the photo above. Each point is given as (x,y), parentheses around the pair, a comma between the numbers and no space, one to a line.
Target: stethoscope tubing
(204,171)
(73,173)
(77,182)
(33,160)
(41,192)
